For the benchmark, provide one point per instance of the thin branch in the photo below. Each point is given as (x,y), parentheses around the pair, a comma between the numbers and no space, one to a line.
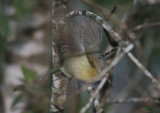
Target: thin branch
(103,11)
(146,25)
(114,62)
(134,82)
(146,72)
(146,2)
(132,100)
(84,109)
(104,73)
(122,25)
(97,105)
(112,51)
(84,88)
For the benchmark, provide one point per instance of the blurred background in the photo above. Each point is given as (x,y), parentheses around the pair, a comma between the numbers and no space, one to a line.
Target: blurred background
(25,51)
(25,54)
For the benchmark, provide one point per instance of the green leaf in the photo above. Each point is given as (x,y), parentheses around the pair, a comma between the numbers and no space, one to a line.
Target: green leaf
(23,7)
(28,74)
(151,109)
(4,24)
(17,99)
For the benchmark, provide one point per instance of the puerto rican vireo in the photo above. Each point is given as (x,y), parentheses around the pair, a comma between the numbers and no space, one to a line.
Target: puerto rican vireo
(79,47)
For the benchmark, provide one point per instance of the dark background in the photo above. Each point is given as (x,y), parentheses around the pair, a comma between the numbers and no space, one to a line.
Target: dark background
(25,54)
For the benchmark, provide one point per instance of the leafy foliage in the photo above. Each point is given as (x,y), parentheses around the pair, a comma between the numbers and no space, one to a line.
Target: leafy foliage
(4,20)
(23,7)
(152,109)
(28,74)
(17,99)
(31,91)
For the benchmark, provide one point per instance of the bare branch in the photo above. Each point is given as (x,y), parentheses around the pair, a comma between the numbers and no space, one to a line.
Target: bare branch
(97,105)
(104,73)
(114,62)
(84,109)
(146,25)
(146,2)
(104,11)
(146,72)
(132,100)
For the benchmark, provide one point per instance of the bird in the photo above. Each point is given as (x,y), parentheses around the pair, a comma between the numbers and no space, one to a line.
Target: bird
(80,46)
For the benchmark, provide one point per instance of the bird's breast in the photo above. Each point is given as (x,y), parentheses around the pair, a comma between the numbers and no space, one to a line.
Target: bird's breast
(79,67)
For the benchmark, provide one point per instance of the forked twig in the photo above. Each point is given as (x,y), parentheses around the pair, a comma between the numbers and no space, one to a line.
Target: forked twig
(104,73)
(84,109)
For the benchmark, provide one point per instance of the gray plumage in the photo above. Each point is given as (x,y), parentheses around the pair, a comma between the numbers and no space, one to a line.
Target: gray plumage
(83,37)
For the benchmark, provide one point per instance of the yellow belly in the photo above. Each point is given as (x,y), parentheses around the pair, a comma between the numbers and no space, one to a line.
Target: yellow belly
(79,68)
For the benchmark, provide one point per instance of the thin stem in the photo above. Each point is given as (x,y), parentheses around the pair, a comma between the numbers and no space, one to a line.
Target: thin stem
(104,73)
(132,100)
(146,72)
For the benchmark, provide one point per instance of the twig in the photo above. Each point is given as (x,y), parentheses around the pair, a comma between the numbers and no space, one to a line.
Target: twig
(84,109)
(146,72)
(52,71)
(96,101)
(146,2)
(134,82)
(122,25)
(146,25)
(103,11)
(114,62)
(132,100)
(84,88)
(104,72)
(112,51)
(98,106)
